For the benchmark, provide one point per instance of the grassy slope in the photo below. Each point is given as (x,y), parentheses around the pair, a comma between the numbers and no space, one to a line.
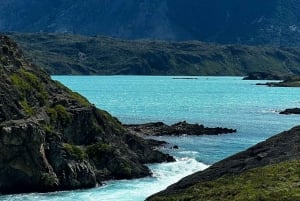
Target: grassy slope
(74,54)
(272,182)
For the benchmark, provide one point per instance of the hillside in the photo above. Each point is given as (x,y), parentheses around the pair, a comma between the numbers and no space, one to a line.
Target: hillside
(75,54)
(267,170)
(53,139)
(271,22)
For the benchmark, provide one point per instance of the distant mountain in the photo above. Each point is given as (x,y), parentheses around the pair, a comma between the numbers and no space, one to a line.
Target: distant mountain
(75,54)
(275,22)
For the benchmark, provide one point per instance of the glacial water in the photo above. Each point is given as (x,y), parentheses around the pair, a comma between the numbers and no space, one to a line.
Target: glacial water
(212,101)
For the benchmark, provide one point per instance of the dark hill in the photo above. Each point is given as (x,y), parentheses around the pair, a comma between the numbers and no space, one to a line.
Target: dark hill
(75,54)
(53,139)
(284,147)
(273,22)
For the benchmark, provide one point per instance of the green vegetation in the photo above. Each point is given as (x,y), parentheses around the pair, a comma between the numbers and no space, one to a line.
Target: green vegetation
(269,183)
(111,121)
(27,108)
(57,126)
(48,180)
(58,113)
(28,83)
(125,169)
(74,54)
(82,100)
(97,150)
(74,95)
(20,83)
(74,151)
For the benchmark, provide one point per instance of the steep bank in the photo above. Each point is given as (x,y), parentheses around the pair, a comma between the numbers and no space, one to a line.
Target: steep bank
(284,147)
(74,54)
(53,139)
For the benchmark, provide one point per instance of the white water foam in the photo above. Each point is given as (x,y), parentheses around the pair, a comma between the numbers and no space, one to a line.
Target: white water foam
(164,174)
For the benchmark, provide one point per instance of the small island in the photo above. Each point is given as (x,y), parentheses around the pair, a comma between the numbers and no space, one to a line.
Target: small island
(265,76)
(290,111)
(292,81)
(177,129)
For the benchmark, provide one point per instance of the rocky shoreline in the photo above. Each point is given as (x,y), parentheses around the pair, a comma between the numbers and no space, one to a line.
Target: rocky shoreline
(177,129)
(279,148)
(52,139)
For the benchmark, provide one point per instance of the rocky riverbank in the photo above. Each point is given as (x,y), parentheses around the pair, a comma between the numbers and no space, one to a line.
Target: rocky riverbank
(280,152)
(53,139)
(180,128)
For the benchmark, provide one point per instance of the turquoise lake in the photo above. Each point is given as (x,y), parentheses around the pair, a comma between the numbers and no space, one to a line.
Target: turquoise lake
(213,101)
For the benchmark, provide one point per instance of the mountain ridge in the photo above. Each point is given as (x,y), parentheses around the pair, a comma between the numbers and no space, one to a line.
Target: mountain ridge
(76,54)
(270,22)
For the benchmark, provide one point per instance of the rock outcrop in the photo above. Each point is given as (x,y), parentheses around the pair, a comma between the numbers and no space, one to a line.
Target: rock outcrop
(53,139)
(291,81)
(290,111)
(264,76)
(180,128)
(282,147)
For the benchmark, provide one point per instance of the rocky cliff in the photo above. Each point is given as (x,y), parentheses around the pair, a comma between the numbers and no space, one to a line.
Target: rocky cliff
(273,22)
(53,139)
(226,177)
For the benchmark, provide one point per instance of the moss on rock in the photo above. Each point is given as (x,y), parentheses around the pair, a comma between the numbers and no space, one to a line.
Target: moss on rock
(74,151)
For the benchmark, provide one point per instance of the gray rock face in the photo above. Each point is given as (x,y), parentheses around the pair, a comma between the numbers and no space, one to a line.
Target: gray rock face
(23,163)
(53,139)
(249,22)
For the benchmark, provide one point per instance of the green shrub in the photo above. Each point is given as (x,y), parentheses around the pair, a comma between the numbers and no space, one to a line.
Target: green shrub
(97,150)
(74,151)
(58,113)
(48,180)
(20,83)
(27,108)
(29,84)
(74,95)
